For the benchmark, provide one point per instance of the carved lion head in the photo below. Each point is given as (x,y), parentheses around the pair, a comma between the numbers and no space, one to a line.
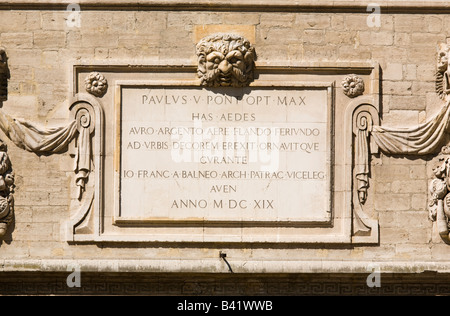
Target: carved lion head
(225,60)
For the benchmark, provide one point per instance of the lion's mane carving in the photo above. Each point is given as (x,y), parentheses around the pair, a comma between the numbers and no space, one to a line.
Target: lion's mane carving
(225,60)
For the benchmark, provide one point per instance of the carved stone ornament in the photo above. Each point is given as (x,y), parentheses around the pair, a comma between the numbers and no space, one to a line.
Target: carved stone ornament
(46,141)
(96,84)
(225,60)
(6,190)
(443,72)
(439,203)
(353,86)
(4,75)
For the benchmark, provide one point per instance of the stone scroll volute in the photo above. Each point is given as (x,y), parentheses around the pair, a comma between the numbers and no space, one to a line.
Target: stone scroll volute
(364,117)
(88,154)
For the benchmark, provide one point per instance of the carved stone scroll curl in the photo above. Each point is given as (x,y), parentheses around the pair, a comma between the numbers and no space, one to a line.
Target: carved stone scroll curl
(83,155)
(88,115)
(363,126)
(46,141)
(364,118)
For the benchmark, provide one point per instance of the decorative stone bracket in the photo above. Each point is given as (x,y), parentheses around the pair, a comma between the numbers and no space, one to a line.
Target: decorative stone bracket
(362,115)
(421,140)
(365,116)
(86,114)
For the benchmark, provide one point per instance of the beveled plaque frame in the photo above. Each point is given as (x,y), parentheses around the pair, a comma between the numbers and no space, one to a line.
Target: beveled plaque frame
(338,230)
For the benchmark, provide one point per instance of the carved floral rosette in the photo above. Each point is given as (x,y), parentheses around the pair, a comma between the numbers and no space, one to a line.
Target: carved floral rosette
(439,202)
(96,84)
(353,86)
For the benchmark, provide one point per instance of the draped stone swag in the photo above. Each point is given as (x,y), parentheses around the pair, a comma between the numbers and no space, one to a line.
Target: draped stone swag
(420,140)
(423,139)
(46,141)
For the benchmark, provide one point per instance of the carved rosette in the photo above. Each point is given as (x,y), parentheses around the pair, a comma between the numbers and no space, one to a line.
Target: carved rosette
(225,60)
(439,202)
(353,86)
(6,190)
(96,84)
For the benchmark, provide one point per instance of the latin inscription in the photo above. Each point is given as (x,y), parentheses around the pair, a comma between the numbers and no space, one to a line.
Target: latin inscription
(191,153)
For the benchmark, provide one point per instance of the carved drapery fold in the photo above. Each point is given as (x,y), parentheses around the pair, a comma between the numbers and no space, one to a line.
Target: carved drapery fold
(363,128)
(364,118)
(37,139)
(88,114)
(421,140)
(83,154)
(31,137)
(46,141)
(361,170)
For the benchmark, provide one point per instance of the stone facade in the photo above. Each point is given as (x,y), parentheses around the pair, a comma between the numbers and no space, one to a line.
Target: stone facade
(43,45)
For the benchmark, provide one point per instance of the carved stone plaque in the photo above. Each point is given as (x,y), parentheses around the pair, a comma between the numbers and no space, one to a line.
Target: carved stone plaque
(230,154)
(282,160)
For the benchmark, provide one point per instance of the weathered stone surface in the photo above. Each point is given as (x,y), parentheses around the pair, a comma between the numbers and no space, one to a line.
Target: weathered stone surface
(43,50)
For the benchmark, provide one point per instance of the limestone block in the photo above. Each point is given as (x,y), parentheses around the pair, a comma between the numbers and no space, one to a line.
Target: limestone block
(407,102)
(49,39)
(393,202)
(402,39)
(316,21)
(382,38)
(409,23)
(397,88)
(406,118)
(17,40)
(393,71)
(434,24)
(410,71)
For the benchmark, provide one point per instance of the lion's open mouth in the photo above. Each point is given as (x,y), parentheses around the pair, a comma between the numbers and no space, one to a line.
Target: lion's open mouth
(226,80)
